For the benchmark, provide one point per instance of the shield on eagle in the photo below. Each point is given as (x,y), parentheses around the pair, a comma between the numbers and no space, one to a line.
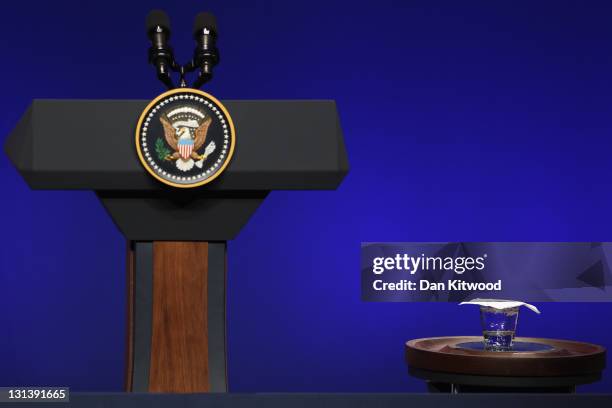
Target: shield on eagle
(185,147)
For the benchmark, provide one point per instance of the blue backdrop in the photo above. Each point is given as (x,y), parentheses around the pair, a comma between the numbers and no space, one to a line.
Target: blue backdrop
(464,121)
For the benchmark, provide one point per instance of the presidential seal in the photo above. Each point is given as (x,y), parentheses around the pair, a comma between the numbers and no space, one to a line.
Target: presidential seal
(185,138)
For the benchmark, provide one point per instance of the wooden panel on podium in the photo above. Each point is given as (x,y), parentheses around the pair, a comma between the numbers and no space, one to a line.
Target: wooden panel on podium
(179,342)
(176,317)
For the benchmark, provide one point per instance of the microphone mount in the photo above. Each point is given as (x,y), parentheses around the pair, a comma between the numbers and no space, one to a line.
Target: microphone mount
(205,54)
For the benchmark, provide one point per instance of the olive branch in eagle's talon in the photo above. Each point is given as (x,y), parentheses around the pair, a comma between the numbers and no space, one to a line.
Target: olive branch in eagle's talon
(163,153)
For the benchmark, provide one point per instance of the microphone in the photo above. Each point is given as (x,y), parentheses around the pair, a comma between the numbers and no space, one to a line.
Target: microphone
(206,54)
(160,53)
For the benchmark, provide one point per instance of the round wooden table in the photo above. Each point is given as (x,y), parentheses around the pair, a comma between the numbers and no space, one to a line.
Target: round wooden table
(460,364)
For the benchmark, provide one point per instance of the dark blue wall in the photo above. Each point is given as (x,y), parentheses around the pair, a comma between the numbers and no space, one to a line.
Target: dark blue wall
(464,121)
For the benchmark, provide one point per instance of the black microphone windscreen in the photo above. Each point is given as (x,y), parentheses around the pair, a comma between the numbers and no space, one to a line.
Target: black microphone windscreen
(157,18)
(204,20)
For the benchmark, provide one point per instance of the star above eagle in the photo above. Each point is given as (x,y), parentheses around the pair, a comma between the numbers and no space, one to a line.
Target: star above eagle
(186,137)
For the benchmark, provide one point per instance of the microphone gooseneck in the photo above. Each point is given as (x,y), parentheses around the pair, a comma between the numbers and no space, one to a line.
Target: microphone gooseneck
(160,52)
(205,54)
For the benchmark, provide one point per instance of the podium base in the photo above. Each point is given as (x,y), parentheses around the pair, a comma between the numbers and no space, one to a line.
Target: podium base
(176,317)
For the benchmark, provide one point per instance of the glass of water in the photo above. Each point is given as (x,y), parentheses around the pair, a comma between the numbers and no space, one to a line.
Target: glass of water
(498,327)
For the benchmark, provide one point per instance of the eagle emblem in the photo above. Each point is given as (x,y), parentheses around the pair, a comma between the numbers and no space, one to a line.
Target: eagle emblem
(185,138)
(185,131)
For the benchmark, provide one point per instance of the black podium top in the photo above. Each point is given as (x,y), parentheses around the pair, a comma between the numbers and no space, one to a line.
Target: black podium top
(89,144)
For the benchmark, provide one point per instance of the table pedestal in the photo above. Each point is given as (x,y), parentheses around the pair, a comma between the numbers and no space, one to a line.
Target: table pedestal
(438,382)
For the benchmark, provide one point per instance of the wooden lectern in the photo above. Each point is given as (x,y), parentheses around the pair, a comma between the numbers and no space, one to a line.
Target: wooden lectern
(177,238)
